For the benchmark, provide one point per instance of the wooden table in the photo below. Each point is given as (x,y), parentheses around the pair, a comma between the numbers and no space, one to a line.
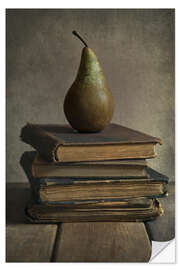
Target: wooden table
(70,242)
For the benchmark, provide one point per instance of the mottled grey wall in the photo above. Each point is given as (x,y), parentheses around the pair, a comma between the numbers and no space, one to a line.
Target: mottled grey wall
(136,50)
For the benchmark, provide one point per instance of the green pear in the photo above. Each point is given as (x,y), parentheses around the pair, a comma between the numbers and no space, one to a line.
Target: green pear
(88,104)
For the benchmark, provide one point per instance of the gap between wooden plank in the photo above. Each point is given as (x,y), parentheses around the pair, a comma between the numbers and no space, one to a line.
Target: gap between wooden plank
(56,241)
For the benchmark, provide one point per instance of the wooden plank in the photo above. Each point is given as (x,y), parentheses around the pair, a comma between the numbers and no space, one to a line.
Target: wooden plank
(25,242)
(163,228)
(103,242)
(29,242)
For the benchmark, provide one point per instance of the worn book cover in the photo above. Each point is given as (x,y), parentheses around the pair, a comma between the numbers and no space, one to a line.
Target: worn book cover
(132,210)
(62,143)
(117,168)
(163,229)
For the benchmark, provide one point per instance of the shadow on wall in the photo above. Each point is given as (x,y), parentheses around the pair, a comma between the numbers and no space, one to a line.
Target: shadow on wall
(17,196)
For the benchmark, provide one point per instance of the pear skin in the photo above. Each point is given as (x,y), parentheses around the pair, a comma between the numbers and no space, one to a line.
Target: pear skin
(88,104)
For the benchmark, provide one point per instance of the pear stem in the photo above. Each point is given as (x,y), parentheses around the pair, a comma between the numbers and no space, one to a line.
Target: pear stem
(77,35)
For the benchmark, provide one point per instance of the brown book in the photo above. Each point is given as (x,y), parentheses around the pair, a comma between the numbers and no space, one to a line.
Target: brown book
(93,169)
(97,190)
(56,190)
(64,190)
(61,143)
(163,229)
(132,210)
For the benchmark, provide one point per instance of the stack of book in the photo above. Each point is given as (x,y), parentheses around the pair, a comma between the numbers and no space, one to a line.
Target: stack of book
(91,176)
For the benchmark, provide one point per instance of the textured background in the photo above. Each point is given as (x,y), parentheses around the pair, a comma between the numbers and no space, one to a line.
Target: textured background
(136,51)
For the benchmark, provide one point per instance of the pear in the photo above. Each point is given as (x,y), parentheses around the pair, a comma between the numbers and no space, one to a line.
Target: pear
(88,105)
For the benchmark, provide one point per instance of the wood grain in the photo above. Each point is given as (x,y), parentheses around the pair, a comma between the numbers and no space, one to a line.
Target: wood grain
(25,242)
(163,228)
(29,243)
(103,242)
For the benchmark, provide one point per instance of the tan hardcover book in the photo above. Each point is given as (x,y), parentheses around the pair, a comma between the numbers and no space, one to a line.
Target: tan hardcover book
(105,169)
(59,143)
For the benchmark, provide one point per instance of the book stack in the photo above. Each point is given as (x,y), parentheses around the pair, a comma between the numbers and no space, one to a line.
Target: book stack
(91,176)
